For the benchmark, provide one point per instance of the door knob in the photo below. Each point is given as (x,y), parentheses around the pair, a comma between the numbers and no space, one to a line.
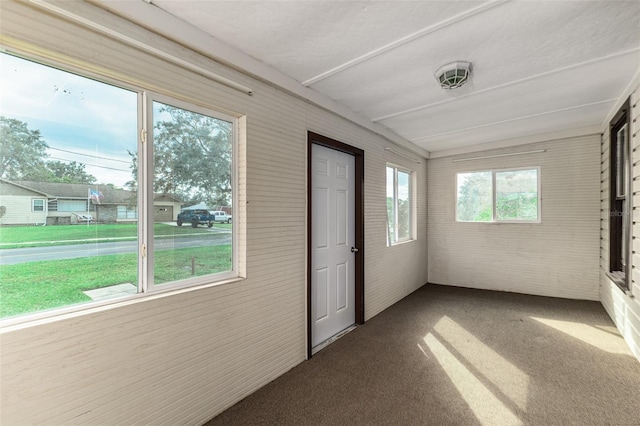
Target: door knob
(354,250)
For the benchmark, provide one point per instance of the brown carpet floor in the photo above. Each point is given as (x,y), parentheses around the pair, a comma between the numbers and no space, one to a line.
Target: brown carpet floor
(456,356)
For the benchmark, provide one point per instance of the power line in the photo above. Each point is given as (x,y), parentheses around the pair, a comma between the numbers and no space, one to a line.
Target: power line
(89,155)
(91,165)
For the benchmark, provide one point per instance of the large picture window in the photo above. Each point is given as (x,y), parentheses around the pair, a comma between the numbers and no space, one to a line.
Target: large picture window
(73,206)
(498,196)
(399,210)
(107,153)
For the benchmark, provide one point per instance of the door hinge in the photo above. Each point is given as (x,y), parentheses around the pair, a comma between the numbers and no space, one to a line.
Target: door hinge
(143,250)
(143,135)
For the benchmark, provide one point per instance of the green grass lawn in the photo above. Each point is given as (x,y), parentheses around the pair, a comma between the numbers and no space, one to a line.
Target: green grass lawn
(41,236)
(36,286)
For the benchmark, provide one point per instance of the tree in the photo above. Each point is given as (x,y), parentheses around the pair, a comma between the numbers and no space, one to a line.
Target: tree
(517,195)
(474,197)
(72,172)
(192,157)
(391,220)
(22,151)
(404,216)
(23,156)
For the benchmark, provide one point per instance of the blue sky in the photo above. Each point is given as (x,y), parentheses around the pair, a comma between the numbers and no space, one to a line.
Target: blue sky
(403,184)
(95,121)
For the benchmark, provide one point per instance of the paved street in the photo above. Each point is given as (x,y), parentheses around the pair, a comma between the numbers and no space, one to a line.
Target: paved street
(34,254)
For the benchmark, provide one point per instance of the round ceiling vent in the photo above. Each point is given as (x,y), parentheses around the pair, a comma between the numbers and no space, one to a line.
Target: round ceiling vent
(453,75)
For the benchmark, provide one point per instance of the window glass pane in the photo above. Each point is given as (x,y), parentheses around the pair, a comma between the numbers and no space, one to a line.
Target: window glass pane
(78,206)
(398,205)
(621,163)
(192,175)
(69,137)
(474,197)
(126,212)
(391,221)
(404,206)
(38,205)
(517,195)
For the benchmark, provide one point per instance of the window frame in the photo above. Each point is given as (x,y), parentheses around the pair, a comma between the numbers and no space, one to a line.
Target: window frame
(411,175)
(127,211)
(146,194)
(620,199)
(42,207)
(494,195)
(116,79)
(68,205)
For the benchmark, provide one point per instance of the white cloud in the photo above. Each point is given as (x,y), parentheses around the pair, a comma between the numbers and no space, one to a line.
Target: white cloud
(73,113)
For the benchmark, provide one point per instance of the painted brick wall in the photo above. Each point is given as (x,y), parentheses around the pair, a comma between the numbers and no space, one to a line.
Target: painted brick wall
(558,257)
(181,358)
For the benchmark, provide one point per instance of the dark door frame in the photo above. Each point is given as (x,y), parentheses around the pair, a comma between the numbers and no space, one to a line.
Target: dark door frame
(358,154)
(619,216)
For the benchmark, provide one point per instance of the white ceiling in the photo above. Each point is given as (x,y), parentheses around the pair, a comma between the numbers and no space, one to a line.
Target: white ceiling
(539,67)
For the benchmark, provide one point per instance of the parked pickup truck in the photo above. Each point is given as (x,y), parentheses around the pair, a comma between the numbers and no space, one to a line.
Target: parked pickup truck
(195,217)
(220,216)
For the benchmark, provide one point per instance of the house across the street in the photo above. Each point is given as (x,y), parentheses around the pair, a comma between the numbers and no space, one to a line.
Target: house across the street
(52,203)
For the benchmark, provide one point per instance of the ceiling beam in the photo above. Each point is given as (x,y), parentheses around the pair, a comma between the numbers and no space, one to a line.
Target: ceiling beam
(525,117)
(508,84)
(404,40)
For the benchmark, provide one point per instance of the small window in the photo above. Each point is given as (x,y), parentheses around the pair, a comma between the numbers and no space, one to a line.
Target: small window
(399,209)
(38,205)
(498,196)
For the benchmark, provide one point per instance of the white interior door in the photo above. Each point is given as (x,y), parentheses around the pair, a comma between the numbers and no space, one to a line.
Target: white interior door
(332,239)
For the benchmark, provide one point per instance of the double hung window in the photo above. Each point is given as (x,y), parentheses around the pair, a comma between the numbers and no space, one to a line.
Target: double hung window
(38,205)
